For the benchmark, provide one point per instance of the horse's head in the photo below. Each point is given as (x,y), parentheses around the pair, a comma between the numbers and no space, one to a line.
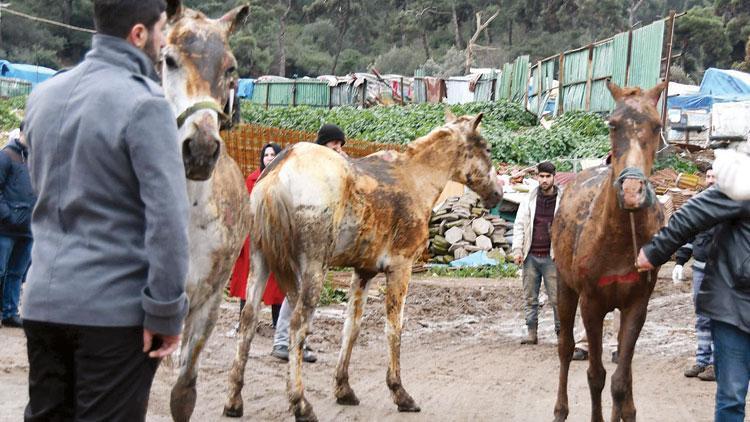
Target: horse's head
(199,74)
(634,130)
(473,166)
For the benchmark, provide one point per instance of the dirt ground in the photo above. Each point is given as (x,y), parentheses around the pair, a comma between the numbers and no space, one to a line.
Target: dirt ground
(461,361)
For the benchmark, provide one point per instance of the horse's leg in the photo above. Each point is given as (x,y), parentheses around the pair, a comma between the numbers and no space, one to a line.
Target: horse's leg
(631,322)
(310,285)
(248,322)
(183,396)
(593,319)
(397,287)
(567,302)
(357,298)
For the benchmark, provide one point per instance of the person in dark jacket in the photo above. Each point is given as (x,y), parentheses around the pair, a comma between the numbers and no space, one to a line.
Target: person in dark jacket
(698,248)
(105,295)
(724,296)
(16,202)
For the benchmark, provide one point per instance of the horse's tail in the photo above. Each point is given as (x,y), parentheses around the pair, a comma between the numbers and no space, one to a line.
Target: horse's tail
(273,231)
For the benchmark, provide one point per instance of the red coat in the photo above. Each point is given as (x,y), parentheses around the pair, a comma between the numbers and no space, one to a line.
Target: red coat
(238,285)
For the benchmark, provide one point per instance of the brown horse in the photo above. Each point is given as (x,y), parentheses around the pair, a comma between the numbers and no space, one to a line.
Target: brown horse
(313,208)
(604,217)
(198,76)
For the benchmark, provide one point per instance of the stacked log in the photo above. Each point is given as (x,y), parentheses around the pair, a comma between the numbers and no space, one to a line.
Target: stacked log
(461,226)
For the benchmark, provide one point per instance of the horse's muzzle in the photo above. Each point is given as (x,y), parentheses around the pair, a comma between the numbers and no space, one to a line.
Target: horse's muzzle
(490,201)
(199,155)
(634,191)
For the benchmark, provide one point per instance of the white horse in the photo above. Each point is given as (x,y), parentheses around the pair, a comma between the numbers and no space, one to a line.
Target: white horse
(198,75)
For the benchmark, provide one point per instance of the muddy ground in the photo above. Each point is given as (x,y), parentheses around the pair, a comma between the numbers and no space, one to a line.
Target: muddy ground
(461,361)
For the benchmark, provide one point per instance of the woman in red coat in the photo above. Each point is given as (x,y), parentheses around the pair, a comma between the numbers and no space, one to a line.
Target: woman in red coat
(273,296)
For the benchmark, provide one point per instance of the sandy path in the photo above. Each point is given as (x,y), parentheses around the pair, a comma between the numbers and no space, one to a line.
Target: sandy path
(461,361)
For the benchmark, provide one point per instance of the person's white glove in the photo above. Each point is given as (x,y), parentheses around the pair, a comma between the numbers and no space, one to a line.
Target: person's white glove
(677,274)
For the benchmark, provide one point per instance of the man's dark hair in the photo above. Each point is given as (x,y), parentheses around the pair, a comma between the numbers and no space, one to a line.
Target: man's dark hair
(118,17)
(546,167)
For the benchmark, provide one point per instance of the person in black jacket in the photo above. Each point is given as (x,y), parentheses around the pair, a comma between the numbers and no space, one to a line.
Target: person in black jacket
(698,248)
(16,201)
(724,296)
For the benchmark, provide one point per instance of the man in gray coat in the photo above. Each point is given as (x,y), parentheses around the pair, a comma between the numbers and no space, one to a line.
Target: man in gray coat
(105,295)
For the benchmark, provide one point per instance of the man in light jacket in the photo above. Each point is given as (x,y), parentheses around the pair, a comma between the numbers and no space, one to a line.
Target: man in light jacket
(532,247)
(105,295)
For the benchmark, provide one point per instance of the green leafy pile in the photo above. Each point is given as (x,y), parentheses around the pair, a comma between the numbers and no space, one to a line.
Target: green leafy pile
(678,164)
(9,118)
(330,295)
(513,132)
(396,125)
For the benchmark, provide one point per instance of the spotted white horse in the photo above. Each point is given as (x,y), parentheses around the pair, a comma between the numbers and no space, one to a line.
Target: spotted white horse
(199,75)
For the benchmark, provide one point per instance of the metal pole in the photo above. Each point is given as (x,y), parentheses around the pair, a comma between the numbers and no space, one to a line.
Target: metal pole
(666,72)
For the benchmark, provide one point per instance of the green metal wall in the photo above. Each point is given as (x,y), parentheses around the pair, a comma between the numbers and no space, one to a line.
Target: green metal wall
(645,58)
(279,94)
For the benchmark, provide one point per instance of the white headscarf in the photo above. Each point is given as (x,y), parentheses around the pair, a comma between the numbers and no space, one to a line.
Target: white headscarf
(732,169)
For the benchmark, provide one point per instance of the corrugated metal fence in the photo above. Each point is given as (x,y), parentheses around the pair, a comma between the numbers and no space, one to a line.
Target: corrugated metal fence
(575,78)
(245,141)
(11,87)
(631,58)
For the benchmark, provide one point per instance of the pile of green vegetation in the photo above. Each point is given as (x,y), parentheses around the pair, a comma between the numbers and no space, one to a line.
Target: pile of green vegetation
(9,109)
(395,125)
(514,134)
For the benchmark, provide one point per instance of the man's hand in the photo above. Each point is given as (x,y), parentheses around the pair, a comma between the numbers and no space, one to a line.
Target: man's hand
(518,259)
(643,263)
(677,274)
(168,344)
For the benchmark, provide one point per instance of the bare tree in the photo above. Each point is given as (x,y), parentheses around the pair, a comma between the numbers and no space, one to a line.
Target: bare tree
(634,5)
(472,45)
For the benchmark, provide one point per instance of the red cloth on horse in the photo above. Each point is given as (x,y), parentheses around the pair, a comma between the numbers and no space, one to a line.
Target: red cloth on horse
(238,284)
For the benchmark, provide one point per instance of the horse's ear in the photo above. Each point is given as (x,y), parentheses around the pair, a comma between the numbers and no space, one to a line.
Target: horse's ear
(655,93)
(174,10)
(449,116)
(235,18)
(477,120)
(614,89)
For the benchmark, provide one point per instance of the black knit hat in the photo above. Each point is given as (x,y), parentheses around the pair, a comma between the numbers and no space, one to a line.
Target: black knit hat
(545,167)
(329,133)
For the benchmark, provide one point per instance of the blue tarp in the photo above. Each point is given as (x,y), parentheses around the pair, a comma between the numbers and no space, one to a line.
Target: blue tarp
(245,88)
(477,259)
(26,72)
(718,86)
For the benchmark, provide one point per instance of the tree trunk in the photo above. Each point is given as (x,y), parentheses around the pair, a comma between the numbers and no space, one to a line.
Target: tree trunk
(343,28)
(510,33)
(67,11)
(456,28)
(426,45)
(282,39)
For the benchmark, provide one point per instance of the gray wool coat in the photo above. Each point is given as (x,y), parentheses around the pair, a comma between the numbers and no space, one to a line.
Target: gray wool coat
(111,222)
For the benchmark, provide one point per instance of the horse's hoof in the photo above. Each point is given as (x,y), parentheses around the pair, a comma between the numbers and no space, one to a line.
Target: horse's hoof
(350,399)
(409,408)
(408,405)
(182,400)
(233,412)
(309,417)
(345,395)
